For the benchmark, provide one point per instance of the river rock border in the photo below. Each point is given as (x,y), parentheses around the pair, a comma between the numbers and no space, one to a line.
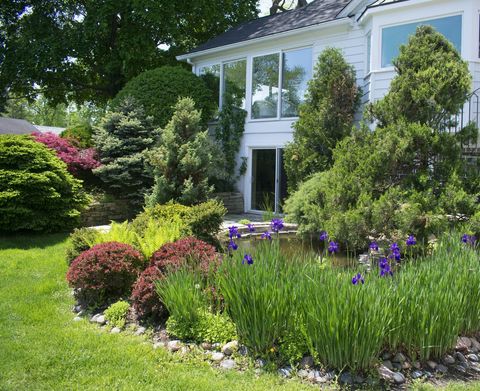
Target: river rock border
(394,369)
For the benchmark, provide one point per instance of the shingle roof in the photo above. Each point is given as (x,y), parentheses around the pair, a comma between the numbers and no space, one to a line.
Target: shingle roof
(15,126)
(316,12)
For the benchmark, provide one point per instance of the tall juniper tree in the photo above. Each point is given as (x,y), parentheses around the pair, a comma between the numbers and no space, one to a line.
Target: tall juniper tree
(122,141)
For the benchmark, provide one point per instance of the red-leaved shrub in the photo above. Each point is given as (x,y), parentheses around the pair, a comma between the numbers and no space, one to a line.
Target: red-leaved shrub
(105,273)
(77,160)
(190,252)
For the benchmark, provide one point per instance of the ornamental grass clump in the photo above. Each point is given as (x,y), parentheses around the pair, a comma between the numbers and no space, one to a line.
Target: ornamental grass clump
(345,319)
(260,294)
(435,299)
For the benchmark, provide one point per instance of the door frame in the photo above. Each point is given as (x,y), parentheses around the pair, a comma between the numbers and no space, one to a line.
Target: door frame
(277,177)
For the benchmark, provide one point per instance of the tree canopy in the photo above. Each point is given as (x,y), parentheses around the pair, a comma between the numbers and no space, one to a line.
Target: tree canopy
(87,50)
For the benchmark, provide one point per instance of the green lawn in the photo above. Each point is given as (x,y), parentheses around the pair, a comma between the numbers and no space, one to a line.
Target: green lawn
(41,348)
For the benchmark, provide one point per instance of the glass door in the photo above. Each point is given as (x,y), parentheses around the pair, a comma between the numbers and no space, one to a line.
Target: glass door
(269,182)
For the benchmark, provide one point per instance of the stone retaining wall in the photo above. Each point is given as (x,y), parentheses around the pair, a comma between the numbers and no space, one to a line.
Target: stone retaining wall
(101,213)
(233,201)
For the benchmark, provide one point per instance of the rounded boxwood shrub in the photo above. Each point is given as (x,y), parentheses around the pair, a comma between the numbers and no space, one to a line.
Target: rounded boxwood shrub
(158,90)
(190,252)
(37,193)
(105,273)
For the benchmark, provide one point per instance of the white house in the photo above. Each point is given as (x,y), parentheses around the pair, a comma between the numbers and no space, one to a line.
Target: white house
(267,62)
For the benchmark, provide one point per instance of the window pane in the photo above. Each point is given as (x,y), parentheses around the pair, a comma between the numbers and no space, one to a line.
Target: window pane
(265,86)
(211,76)
(393,37)
(234,82)
(297,71)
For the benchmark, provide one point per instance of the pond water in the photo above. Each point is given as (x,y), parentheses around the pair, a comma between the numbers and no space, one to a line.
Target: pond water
(293,245)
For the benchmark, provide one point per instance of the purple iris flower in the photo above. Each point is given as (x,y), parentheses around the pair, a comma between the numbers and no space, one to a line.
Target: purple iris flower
(333,247)
(469,239)
(276,225)
(251,227)
(374,246)
(233,232)
(266,235)
(248,259)
(395,252)
(358,278)
(323,236)
(411,241)
(385,269)
(232,245)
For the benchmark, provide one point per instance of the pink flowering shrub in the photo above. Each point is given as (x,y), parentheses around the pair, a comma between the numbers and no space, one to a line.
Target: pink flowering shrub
(77,160)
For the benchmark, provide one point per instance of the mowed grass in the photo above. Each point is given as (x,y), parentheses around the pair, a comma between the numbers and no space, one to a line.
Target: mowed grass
(41,348)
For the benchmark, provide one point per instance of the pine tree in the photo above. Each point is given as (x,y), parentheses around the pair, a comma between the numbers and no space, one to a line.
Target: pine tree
(185,159)
(325,118)
(122,141)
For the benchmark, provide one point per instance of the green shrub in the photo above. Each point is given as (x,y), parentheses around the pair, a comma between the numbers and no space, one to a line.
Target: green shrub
(325,118)
(81,239)
(153,236)
(202,221)
(158,90)
(116,314)
(80,135)
(185,159)
(36,191)
(407,175)
(244,221)
(215,328)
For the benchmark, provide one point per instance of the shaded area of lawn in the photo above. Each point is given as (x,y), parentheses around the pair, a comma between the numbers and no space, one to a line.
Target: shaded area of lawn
(42,348)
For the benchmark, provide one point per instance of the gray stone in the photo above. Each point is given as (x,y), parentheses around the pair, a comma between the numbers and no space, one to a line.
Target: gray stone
(228,364)
(386,356)
(461,368)
(385,373)
(321,380)
(99,319)
(184,350)
(460,357)
(302,373)
(260,363)
(77,308)
(346,378)
(174,345)
(311,375)
(472,357)
(431,364)
(243,350)
(406,365)
(400,358)
(140,331)
(230,348)
(475,345)
(397,366)
(307,362)
(417,374)
(416,365)
(285,372)
(463,343)
(116,330)
(159,344)
(216,346)
(77,319)
(441,368)
(206,346)
(357,379)
(330,375)
(217,356)
(398,378)
(388,364)
(448,360)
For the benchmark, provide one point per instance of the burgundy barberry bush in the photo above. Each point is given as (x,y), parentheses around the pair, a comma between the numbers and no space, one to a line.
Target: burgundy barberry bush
(77,160)
(105,273)
(190,252)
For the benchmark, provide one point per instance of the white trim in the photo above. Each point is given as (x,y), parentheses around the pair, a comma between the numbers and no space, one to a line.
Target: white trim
(324,25)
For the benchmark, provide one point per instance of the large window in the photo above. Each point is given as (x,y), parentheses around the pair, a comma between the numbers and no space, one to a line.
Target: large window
(296,72)
(234,82)
(393,37)
(265,86)
(296,69)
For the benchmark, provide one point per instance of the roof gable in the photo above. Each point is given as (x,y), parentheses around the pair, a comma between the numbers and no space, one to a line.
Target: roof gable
(15,126)
(316,12)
